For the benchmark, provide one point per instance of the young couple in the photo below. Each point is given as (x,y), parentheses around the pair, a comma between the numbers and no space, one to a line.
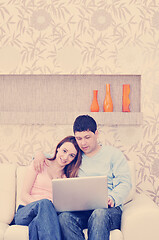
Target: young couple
(74,156)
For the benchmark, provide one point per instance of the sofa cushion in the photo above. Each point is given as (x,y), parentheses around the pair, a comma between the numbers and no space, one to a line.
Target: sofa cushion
(3,228)
(17,232)
(7,191)
(20,176)
(133,177)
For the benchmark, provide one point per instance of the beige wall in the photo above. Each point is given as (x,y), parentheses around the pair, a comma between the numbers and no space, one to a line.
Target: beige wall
(85,37)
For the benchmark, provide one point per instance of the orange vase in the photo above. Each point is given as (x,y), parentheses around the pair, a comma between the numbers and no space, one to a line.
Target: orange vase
(126,100)
(108,103)
(95,105)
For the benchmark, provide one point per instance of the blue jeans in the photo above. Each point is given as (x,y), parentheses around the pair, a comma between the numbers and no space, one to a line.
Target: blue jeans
(99,223)
(41,218)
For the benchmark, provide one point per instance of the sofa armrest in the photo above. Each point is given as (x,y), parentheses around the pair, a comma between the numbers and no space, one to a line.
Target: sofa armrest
(7,190)
(140,219)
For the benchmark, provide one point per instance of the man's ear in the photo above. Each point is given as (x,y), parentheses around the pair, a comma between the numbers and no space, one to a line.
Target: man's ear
(96,133)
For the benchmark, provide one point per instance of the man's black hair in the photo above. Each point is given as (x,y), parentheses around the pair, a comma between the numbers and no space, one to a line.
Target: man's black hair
(84,123)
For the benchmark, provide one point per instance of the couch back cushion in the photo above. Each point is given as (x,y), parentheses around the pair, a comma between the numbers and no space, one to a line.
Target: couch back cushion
(133,180)
(20,177)
(7,192)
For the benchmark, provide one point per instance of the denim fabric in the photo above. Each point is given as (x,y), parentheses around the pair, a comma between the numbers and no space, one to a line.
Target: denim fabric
(41,218)
(99,223)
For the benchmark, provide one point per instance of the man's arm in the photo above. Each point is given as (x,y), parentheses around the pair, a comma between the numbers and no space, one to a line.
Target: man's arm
(39,160)
(121,178)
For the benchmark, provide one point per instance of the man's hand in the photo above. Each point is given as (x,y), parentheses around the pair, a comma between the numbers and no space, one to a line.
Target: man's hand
(110,202)
(39,161)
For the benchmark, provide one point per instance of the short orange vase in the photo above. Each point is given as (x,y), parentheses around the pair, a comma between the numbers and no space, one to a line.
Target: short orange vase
(108,103)
(95,105)
(126,100)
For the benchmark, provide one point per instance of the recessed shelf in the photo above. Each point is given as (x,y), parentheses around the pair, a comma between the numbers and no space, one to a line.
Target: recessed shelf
(59,99)
(50,118)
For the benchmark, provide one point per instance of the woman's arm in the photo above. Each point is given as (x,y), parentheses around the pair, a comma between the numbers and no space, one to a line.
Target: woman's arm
(28,182)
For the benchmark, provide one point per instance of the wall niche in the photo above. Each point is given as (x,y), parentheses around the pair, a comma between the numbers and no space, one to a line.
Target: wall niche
(59,99)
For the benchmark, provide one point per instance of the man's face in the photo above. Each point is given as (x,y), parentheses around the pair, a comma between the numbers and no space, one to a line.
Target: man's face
(87,141)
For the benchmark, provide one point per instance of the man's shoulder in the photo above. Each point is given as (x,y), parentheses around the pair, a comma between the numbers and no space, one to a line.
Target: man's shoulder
(110,148)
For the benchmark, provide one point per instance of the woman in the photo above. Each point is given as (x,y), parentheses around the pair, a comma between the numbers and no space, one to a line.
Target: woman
(39,213)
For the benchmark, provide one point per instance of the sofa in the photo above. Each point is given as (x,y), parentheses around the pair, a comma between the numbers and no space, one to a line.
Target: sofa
(140,218)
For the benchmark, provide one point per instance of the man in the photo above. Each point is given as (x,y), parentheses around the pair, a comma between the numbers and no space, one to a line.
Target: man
(97,160)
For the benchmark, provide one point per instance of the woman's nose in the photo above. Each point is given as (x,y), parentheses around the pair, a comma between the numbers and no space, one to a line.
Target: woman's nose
(65,156)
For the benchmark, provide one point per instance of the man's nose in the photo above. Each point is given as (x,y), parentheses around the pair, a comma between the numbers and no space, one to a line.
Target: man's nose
(83,142)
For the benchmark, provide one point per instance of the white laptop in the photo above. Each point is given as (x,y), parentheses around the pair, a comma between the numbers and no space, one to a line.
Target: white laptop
(79,194)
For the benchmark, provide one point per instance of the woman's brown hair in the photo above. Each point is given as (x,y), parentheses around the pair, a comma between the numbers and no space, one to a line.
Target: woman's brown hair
(71,170)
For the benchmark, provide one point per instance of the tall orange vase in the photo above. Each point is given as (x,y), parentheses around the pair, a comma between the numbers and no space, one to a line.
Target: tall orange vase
(126,100)
(95,105)
(108,103)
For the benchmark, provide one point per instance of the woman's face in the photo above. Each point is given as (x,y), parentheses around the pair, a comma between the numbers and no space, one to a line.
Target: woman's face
(66,154)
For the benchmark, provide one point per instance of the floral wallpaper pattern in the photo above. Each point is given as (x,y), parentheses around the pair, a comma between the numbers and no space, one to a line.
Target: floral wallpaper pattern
(85,37)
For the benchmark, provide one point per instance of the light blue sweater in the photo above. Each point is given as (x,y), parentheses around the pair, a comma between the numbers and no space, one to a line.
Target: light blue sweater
(111,162)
